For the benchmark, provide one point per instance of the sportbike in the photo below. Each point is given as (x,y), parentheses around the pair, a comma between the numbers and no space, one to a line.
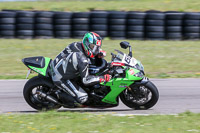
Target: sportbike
(128,83)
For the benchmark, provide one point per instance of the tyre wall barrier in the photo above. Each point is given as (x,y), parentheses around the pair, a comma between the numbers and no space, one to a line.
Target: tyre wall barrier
(149,25)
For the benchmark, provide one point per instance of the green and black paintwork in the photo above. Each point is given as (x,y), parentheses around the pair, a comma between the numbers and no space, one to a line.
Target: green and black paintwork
(117,84)
(38,64)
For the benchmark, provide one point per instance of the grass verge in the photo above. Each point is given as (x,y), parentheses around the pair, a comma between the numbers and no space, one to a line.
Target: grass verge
(87,5)
(67,122)
(161,59)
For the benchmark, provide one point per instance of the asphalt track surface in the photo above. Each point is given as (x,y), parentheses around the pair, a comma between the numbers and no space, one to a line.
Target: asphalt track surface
(176,96)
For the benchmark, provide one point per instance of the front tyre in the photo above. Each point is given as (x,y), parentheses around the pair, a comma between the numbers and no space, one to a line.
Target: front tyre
(142,96)
(33,99)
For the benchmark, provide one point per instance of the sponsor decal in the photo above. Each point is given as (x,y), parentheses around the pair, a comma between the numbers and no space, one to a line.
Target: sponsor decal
(98,42)
(122,86)
(131,71)
(117,64)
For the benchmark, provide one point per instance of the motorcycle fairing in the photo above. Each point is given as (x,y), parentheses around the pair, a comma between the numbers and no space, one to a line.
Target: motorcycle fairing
(38,64)
(117,85)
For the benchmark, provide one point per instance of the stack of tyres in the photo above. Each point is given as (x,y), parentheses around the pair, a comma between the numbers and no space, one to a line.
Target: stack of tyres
(117,25)
(174,25)
(191,26)
(25,23)
(135,25)
(155,26)
(7,24)
(62,24)
(80,24)
(99,23)
(44,24)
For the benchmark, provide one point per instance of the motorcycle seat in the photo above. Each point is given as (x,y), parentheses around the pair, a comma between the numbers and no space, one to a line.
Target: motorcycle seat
(38,61)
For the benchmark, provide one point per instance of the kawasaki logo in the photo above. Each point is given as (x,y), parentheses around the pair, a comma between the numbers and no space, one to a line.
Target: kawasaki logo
(122,86)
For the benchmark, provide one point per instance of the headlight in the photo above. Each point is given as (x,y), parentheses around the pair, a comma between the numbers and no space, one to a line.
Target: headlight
(140,74)
(139,67)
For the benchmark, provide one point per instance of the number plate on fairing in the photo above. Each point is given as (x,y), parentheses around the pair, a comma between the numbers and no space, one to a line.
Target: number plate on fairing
(129,60)
(126,59)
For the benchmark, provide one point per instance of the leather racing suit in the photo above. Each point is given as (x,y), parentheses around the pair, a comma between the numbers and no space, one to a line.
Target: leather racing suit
(70,64)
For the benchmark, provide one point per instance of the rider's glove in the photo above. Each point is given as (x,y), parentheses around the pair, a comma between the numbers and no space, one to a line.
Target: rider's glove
(105,78)
(102,54)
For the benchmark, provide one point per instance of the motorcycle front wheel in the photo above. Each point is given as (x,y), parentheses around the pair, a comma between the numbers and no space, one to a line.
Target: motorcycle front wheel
(140,97)
(33,99)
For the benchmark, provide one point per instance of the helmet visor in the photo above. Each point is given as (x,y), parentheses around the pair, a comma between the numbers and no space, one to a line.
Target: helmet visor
(94,48)
(91,46)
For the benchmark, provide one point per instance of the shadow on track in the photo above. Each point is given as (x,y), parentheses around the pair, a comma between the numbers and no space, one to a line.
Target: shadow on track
(77,110)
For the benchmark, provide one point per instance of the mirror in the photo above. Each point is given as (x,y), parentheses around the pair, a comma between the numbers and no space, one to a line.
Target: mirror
(124,44)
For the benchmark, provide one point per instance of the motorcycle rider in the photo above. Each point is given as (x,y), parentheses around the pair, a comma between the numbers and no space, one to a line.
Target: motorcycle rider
(73,62)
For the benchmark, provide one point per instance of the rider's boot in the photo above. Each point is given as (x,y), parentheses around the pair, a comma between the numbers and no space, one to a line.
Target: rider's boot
(75,91)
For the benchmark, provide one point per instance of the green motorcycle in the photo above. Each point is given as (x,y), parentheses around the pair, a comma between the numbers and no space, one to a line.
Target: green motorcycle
(128,83)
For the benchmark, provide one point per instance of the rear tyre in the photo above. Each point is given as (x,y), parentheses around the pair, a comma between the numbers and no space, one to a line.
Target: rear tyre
(34,100)
(140,97)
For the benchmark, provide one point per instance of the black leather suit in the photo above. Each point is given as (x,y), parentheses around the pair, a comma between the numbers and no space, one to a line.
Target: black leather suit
(70,64)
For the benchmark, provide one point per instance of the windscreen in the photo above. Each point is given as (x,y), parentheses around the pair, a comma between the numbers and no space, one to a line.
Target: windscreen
(119,56)
(126,59)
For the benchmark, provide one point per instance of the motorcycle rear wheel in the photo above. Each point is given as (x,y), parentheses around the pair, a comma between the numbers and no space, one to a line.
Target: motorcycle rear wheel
(146,98)
(34,100)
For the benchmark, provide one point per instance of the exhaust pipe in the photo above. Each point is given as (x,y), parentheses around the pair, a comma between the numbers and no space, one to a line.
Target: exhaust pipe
(52,99)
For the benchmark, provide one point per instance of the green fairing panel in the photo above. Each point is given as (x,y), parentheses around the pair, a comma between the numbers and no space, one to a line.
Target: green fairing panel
(117,85)
(43,70)
(130,74)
